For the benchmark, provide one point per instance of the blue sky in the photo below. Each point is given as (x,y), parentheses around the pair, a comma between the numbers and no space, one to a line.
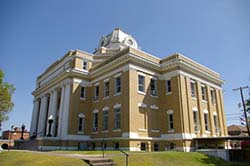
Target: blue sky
(34,34)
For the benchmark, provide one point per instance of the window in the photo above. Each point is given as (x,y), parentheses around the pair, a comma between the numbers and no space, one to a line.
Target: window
(170,114)
(141,82)
(170,122)
(118,85)
(204,92)
(206,120)
(153,90)
(193,88)
(216,124)
(81,121)
(117,120)
(106,89)
(95,122)
(96,95)
(83,93)
(168,86)
(213,96)
(84,65)
(105,120)
(196,120)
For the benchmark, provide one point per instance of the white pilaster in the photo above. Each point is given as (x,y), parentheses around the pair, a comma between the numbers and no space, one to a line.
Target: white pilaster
(66,105)
(34,120)
(42,116)
(59,131)
(53,112)
(49,110)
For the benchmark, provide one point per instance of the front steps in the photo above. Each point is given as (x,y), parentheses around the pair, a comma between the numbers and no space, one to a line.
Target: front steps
(99,162)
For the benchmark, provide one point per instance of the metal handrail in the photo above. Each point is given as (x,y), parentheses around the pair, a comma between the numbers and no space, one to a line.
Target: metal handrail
(126,154)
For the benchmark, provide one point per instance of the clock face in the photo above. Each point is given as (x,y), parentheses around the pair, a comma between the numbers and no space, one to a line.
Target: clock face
(130,42)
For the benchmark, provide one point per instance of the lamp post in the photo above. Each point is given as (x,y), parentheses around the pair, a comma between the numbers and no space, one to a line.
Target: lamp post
(22,127)
(50,121)
(10,134)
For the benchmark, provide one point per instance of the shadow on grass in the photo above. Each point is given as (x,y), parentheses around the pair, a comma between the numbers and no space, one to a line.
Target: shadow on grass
(213,161)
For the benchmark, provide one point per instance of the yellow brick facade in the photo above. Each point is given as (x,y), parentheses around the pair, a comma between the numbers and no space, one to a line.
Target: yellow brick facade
(145,119)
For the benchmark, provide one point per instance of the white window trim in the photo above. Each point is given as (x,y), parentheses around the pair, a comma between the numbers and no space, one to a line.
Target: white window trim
(141,92)
(106,108)
(117,75)
(170,111)
(95,111)
(117,106)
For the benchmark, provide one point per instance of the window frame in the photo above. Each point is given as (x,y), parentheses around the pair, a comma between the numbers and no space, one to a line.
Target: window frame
(213,96)
(95,122)
(168,86)
(193,88)
(81,126)
(106,89)
(96,92)
(118,86)
(203,92)
(153,83)
(206,121)
(83,92)
(85,65)
(117,127)
(105,120)
(141,85)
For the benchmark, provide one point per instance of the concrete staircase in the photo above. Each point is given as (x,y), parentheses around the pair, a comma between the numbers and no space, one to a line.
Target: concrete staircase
(99,162)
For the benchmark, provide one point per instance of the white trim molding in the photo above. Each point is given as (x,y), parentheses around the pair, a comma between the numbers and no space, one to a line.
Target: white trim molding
(154,107)
(142,105)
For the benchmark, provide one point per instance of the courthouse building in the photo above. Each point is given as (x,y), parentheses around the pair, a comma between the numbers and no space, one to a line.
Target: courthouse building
(122,97)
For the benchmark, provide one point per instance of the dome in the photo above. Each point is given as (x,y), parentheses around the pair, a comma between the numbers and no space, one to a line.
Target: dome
(117,40)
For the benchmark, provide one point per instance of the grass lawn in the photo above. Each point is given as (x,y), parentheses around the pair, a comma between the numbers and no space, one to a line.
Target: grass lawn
(14,158)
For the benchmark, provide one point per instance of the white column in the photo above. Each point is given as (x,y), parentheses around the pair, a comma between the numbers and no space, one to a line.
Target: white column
(34,120)
(53,112)
(60,112)
(49,110)
(42,116)
(66,105)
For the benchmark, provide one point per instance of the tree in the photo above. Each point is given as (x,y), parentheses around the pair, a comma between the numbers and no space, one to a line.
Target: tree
(6,104)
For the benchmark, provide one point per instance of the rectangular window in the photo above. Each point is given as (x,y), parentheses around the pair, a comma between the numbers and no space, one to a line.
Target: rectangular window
(84,65)
(213,96)
(141,83)
(96,93)
(204,92)
(206,120)
(106,89)
(81,124)
(168,86)
(105,119)
(153,90)
(196,121)
(117,119)
(170,121)
(118,85)
(216,124)
(83,94)
(193,88)
(95,122)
